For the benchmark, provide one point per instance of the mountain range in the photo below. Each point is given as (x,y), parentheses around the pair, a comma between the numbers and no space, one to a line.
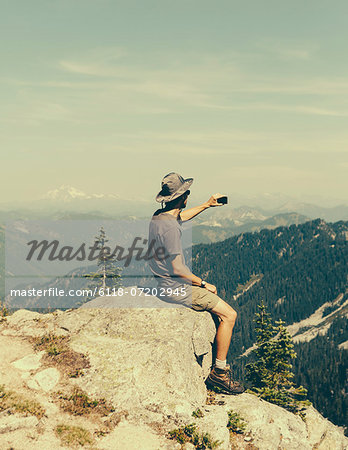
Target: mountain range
(301,273)
(67,200)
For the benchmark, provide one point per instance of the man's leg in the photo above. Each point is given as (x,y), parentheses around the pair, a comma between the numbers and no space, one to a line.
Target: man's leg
(204,300)
(220,375)
(227,316)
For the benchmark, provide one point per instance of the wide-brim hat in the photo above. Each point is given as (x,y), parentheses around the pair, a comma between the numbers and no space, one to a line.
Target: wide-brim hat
(173,185)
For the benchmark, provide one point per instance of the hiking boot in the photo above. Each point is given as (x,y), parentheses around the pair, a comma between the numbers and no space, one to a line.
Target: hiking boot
(222,379)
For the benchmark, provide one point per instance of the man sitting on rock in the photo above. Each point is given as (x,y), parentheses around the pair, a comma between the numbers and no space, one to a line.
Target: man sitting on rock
(177,284)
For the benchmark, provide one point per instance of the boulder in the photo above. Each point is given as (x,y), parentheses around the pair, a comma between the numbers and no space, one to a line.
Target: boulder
(27,323)
(29,362)
(10,423)
(145,358)
(46,380)
(151,363)
(273,427)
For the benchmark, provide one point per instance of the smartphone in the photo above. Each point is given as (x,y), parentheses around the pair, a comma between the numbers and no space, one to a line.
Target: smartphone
(222,200)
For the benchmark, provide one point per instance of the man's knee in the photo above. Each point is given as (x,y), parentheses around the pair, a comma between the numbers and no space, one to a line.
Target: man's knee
(225,312)
(232,316)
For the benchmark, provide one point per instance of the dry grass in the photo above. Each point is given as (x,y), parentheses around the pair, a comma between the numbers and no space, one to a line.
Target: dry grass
(52,344)
(73,436)
(71,363)
(79,404)
(59,354)
(16,403)
(236,423)
(189,433)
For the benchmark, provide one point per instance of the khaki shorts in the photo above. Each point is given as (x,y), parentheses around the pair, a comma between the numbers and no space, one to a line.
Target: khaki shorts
(197,298)
(203,300)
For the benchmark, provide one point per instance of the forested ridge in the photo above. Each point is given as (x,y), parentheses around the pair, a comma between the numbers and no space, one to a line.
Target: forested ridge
(321,366)
(299,268)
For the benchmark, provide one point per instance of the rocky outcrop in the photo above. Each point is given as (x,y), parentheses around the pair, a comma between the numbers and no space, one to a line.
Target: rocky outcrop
(272,427)
(151,364)
(145,359)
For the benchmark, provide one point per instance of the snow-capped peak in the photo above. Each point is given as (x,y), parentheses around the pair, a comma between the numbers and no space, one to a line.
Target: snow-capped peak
(65,193)
(69,193)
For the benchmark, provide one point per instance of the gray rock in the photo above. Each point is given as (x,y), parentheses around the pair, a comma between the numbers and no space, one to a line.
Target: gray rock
(143,358)
(26,323)
(272,427)
(133,437)
(152,362)
(10,423)
(215,423)
(23,316)
(30,362)
(45,380)
(323,434)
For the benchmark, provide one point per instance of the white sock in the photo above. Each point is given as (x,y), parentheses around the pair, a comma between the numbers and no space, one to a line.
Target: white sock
(220,364)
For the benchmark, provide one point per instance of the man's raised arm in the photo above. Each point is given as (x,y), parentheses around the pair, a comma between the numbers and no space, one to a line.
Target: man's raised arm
(193,212)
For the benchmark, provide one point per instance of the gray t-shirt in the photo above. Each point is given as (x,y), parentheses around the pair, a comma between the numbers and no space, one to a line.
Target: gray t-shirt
(165,233)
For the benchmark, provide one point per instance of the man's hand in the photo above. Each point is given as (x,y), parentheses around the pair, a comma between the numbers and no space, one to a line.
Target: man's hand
(211,288)
(213,200)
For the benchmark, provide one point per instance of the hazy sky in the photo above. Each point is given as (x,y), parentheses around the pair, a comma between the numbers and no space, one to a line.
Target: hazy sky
(108,96)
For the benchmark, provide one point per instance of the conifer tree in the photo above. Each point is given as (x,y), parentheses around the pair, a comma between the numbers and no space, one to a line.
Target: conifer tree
(108,274)
(259,372)
(270,374)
